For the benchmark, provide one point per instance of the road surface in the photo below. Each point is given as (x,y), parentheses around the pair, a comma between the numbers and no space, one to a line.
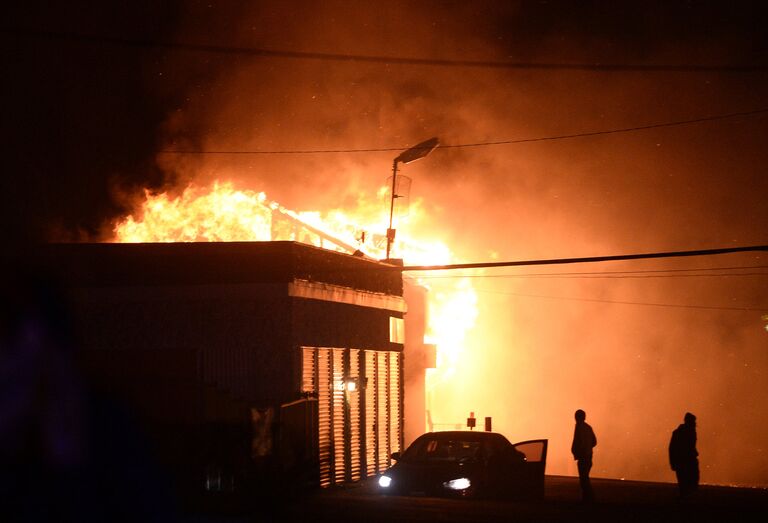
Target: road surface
(616,501)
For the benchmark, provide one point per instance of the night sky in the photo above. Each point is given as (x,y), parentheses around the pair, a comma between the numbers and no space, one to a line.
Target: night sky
(96,94)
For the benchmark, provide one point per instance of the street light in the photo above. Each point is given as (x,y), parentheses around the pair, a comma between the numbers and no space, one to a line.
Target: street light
(416,152)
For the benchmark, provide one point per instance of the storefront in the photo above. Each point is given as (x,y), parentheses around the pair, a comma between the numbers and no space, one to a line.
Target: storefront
(229,338)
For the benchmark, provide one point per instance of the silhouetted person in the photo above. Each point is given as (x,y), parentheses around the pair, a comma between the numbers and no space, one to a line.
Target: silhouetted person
(584,441)
(683,456)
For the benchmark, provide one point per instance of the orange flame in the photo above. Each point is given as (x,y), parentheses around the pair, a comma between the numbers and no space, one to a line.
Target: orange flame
(222,213)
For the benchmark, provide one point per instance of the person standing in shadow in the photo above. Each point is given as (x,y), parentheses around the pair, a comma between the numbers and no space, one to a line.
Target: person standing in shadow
(683,456)
(584,441)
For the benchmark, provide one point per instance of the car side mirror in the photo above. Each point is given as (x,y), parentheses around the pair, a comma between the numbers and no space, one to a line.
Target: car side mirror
(395,456)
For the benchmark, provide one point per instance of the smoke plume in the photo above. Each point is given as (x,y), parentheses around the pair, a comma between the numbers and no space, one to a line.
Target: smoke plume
(621,348)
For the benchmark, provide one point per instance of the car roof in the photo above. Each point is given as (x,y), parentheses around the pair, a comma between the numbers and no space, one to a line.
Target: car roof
(467,435)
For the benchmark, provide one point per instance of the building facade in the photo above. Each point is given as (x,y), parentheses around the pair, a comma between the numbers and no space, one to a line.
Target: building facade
(237,355)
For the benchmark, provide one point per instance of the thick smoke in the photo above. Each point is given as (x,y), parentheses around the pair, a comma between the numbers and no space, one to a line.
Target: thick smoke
(539,351)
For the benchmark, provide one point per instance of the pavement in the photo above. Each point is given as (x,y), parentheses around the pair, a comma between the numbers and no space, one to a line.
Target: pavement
(615,501)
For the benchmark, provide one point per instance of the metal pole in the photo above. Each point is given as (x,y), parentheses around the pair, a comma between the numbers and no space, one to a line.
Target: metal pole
(390,230)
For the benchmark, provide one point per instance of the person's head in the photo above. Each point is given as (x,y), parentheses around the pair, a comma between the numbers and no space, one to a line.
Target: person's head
(690,419)
(580,415)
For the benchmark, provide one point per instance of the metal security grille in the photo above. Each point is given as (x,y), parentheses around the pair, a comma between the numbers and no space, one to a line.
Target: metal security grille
(338,415)
(395,402)
(355,448)
(359,398)
(382,425)
(371,409)
(309,371)
(324,413)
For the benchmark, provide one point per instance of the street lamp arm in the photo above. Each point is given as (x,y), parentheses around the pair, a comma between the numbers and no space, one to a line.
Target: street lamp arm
(416,152)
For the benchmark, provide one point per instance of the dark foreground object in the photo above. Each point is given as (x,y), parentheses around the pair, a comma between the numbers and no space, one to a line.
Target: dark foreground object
(462,464)
(615,501)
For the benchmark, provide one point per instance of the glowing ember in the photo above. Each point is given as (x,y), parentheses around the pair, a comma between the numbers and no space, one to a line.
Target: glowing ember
(223,213)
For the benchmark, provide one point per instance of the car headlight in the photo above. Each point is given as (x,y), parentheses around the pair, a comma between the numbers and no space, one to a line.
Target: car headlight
(385,481)
(458,484)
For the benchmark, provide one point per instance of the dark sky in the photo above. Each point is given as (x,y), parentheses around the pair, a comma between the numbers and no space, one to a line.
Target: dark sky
(79,119)
(85,119)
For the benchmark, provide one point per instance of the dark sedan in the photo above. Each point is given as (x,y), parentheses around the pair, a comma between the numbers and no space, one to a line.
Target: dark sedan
(468,464)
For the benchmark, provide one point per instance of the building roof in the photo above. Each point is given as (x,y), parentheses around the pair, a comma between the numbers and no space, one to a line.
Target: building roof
(127,264)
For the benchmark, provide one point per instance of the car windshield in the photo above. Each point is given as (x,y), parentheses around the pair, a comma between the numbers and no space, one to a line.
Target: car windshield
(443,449)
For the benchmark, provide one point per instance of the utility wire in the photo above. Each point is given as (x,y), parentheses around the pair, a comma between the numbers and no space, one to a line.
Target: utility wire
(388,60)
(660,273)
(673,276)
(679,306)
(615,131)
(590,259)
(478,144)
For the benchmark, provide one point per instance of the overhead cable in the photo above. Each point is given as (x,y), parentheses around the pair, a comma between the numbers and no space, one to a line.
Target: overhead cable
(476,144)
(659,273)
(589,259)
(618,302)
(259,52)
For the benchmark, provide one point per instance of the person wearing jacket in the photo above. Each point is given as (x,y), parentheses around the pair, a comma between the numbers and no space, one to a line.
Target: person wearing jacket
(584,441)
(683,456)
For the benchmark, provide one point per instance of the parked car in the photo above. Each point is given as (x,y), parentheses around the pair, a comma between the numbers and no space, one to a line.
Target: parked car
(468,464)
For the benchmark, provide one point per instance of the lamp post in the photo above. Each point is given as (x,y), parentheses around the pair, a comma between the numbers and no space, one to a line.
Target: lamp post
(416,152)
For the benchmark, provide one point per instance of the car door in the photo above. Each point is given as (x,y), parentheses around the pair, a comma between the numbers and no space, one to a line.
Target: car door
(528,473)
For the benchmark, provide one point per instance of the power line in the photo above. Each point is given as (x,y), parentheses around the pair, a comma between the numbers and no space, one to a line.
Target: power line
(671,305)
(673,276)
(346,57)
(590,259)
(615,131)
(390,60)
(480,144)
(659,273)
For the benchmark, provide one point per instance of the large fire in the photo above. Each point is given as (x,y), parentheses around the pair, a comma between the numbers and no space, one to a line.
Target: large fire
(223,213)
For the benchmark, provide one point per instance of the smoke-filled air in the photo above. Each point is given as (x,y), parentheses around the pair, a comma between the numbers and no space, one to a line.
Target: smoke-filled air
(634,344)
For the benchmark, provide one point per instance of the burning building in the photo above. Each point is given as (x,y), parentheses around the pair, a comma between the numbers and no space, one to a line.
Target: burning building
(250,336)
(240,356)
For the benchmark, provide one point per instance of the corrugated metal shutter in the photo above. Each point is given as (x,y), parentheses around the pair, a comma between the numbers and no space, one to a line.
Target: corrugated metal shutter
(308,370)
(382,393)
(324,413)
(339,421)
(371,398)
(395,402)
(357,429)
(353,398)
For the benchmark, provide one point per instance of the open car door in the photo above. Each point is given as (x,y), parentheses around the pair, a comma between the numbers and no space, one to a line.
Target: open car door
(529,480)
